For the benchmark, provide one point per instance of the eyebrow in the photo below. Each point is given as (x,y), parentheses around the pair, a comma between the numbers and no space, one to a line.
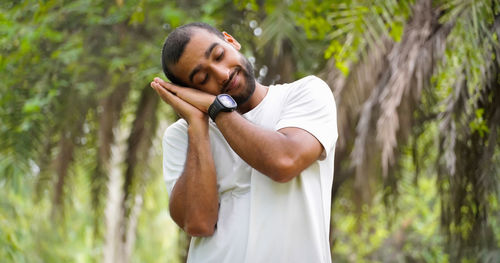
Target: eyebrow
(198,68)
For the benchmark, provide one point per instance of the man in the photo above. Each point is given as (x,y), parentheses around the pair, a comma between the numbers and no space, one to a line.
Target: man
(250,179)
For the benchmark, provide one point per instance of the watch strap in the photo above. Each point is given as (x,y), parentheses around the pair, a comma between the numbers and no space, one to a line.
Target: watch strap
(214,109)
(217,107)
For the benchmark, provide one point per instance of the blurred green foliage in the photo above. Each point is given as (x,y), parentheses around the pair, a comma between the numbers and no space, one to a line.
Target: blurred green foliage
(74,76)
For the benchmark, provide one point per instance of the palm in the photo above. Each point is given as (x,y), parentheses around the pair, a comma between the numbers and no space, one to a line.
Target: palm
(186,110)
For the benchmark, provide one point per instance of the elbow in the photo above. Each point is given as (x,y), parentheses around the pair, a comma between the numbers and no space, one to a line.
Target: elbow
(199,224)
(194,224)
(199,229)
(285,170)
(283,178)
(196,228)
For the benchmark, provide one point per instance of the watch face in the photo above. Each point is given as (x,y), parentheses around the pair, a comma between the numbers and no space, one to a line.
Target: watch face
(227,101)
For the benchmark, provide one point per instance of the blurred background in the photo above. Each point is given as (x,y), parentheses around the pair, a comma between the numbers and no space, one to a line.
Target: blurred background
(416,82)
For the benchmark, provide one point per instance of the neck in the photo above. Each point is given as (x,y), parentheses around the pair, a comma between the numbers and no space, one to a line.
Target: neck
(257,96)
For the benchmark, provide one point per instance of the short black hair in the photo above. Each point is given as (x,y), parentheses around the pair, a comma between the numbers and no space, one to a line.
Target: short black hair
(176,43)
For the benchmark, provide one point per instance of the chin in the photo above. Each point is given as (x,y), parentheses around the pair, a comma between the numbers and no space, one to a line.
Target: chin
(247,83)
(247,89)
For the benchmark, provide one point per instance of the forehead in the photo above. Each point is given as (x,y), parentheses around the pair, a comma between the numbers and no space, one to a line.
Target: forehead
(194,52)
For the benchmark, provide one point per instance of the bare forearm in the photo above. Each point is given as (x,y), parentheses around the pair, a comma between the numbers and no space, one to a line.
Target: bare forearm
(281,155)
(273,153)
(194,199)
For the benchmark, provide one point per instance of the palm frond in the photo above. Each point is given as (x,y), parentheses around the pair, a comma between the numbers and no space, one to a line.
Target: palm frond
(469,132)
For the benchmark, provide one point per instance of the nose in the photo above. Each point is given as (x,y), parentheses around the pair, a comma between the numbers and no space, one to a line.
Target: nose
(221,73)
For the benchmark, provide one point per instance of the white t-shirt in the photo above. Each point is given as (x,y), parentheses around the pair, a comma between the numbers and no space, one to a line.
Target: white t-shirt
(261,220)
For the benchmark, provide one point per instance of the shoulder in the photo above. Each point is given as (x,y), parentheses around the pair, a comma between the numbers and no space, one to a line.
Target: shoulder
(176,131)
(311,87)
(311,82)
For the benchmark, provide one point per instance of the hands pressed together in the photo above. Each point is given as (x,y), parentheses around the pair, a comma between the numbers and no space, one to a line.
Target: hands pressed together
(191,104)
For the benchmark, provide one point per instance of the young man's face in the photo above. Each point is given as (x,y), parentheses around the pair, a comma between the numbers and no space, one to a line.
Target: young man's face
(215,66)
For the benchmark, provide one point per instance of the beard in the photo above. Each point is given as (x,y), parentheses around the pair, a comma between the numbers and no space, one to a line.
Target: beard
(249,88)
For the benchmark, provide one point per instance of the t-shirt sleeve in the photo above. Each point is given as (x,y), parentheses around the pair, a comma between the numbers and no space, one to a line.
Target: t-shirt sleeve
(174,146)
(310,105)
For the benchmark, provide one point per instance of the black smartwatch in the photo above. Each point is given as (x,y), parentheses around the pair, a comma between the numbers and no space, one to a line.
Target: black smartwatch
(222,102)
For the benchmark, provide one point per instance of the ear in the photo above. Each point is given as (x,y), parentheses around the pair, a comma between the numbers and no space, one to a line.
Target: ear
(230,39)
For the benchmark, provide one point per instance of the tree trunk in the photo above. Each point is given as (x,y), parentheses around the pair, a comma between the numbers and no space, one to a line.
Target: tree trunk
(114,248)
(109,111)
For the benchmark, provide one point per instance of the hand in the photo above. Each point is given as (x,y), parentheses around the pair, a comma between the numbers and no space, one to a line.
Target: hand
(187,111)
(201,100)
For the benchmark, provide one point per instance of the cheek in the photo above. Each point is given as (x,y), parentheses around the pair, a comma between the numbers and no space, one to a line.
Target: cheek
(233,57)
(212,87)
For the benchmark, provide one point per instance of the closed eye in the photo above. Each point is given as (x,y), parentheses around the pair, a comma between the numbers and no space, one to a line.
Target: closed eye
(204,80)
(219,58)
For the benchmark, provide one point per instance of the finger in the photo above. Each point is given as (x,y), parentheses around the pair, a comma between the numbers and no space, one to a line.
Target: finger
(166,95)
(184,93)
(197,98)
(174,101)
(171,87)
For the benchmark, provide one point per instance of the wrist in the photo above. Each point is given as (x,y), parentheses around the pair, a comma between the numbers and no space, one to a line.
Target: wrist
(221,103)
(199,126)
